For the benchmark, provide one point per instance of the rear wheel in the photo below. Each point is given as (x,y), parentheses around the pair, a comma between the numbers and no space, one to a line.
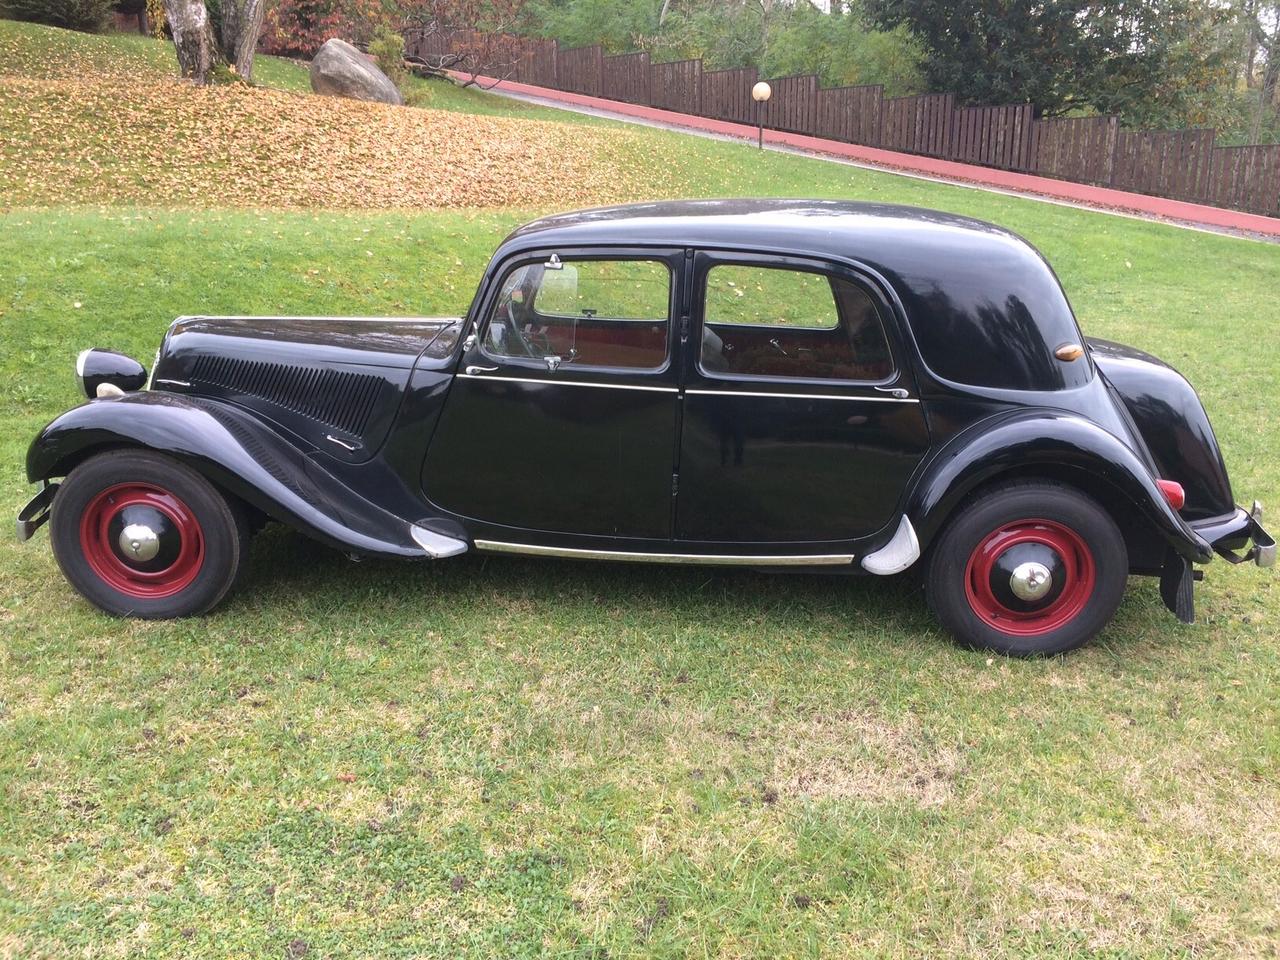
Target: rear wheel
(1027,569)
(139,534)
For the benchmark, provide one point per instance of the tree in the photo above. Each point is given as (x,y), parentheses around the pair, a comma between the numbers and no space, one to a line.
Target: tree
(1264,29)
(617,25)
(479,35)
(241,24)
(1059,56)
(197,41)
(193,38)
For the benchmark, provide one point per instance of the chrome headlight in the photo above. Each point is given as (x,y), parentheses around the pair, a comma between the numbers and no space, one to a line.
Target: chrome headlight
(97,367)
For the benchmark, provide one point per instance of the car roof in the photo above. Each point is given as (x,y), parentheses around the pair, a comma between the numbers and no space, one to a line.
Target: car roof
(881,233)
(983,305)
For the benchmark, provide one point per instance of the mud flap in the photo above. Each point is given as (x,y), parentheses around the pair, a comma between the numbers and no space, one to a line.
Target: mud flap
(1177,586)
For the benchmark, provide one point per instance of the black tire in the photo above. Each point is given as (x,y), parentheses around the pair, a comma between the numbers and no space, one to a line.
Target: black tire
(972,592)
(204,534)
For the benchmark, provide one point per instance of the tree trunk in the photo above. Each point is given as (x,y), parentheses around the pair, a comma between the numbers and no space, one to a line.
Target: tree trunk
(192,38)
(241,24)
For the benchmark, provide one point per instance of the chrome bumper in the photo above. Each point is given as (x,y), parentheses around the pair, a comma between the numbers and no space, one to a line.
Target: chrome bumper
(34,515)
(1239,531)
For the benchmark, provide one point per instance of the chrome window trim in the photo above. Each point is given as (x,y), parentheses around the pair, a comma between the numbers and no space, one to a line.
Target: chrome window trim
(577,553)
(707,393)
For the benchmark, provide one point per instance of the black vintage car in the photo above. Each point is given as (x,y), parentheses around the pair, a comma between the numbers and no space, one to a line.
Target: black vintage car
(848,388)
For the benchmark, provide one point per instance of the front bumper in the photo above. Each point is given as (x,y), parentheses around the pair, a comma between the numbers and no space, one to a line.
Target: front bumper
(1239,531)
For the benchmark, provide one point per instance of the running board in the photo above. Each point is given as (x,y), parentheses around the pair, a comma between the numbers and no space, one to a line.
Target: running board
(713,559)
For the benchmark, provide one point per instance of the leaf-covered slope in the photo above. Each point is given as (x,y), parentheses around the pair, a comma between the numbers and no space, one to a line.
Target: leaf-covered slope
(88,120)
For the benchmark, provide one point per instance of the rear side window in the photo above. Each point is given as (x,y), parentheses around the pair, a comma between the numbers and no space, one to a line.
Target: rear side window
(790,324)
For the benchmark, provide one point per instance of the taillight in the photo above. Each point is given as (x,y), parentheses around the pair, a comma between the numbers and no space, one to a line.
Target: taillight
(1173,492)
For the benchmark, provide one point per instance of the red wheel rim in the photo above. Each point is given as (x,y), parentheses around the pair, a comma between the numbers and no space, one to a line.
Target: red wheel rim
(1004,552)
(178,540)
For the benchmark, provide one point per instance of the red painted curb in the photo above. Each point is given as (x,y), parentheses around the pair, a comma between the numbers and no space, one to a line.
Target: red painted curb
(966,172)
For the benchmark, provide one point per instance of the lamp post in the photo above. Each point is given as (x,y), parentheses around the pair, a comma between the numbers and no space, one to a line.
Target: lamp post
(761,93)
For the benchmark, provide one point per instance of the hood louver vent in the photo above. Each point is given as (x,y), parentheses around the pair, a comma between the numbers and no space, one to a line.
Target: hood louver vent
(341,399)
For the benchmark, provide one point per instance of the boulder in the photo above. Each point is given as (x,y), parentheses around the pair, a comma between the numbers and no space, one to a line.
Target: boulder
(340,70)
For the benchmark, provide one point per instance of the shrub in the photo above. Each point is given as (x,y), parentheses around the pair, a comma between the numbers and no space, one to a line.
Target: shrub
(88,15)
(298,28)
(387,47)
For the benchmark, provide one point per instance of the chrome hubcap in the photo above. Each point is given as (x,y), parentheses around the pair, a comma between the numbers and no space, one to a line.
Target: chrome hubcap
(1030,581)
(139,542)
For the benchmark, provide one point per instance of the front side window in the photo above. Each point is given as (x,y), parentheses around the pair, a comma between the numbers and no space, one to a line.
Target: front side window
(608,313)
(791,324)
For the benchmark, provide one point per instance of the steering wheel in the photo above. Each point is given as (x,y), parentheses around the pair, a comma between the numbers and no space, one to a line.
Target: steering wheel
(513,340)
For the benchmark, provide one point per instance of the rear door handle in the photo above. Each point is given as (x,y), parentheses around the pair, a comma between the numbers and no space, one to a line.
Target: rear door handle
(473,370)
(896,392)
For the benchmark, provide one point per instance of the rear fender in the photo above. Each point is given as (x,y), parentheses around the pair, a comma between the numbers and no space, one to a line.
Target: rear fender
(1019,443)
(235,452)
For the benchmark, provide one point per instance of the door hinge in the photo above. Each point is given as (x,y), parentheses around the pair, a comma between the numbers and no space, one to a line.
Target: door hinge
(684,329)
(675,484)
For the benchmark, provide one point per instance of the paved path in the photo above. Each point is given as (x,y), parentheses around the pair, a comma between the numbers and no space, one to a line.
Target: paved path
(1121,202)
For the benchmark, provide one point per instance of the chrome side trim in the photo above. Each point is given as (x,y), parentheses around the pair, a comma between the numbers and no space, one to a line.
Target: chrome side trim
(467,374)
(802,396)
(174,383)
(714,559)
(896,555)
(571,383)
(349,447)
(436,545)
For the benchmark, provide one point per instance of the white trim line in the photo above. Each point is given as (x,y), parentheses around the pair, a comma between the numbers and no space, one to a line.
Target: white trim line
(574,553)
(569,383)
(802,396)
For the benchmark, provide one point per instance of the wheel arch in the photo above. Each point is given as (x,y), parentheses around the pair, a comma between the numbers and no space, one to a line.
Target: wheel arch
(236,453)
(1059,447)
(1145,546)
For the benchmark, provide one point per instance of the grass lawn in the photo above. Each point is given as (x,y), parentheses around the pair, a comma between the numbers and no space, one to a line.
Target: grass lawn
(516,758)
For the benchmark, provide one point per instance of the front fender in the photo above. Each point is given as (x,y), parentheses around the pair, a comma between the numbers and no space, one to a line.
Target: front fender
(234,451)
(1021,441)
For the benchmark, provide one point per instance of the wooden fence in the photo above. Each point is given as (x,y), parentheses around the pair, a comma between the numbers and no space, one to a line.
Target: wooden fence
(1182,164)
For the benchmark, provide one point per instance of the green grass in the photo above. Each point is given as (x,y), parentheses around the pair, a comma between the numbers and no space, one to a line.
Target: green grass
(518,758)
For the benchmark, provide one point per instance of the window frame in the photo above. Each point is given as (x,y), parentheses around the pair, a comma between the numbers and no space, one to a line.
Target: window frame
(660,256)
(710,259)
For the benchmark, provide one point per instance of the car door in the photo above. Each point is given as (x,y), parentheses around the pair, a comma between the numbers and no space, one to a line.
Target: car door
(800,421)
(562,416)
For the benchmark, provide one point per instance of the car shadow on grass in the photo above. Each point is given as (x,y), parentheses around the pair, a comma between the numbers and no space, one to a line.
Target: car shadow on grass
(287,567)
(295,576)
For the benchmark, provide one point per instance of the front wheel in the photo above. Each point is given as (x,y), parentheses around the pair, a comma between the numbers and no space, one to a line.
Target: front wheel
(1028,569)
(139,534)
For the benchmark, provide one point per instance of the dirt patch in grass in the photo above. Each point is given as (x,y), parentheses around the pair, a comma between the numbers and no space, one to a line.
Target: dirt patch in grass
(863,756)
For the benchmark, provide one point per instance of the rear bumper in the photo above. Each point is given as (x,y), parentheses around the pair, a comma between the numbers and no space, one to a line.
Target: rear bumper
(1239,531)
(34,515)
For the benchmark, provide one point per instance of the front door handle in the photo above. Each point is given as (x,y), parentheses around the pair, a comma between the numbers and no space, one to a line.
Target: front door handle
(896,392)
(471,371)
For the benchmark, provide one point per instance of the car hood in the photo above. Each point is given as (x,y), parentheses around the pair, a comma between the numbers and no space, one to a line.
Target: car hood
(334,382)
